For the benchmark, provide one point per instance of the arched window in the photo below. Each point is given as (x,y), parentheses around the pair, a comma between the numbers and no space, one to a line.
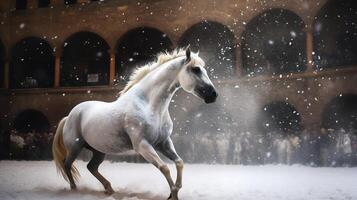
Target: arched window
(31,121)
(216,45)
(137,47)
(274,43)
(279,118)
(70,2)
(335,35)
(43,3)
(85,60)
(341,112)
(32,64)
(21,4)
(2,64)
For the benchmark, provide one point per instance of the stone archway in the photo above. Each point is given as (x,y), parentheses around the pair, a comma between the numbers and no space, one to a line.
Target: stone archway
(274,43)
(137,47)
(341,112)
(31,121)
(216,44)
(32,64)
(85,60)
(335,35)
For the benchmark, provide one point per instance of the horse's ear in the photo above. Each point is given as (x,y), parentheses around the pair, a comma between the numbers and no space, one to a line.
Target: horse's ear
(188,54)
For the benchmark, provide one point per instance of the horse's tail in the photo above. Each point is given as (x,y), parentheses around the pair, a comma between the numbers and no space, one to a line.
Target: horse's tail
(59,152)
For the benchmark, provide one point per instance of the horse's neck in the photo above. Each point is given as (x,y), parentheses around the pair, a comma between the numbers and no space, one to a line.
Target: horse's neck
(160,85)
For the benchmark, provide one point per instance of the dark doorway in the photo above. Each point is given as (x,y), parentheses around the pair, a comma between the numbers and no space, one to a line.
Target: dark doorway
(32,64)
(31,138)
(21,4)
(274,42)
(85,60)
(335,35)
(31,121)
(137,47)
(341,112)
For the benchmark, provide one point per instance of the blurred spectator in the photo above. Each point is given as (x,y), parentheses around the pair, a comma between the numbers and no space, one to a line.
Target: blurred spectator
(222,147)
(294,147)
(17,144)
(285,148)
(354,147)
(237,150)
(324,147)
(343,148)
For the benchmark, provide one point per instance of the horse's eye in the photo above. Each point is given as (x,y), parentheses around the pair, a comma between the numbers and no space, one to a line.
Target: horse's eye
(196,70)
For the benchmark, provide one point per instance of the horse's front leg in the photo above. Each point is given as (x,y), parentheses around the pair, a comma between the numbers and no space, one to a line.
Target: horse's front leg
(167,148)
(148,152)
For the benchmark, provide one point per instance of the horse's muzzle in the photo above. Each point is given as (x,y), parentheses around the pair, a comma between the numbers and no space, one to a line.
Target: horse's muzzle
(207,93)
(212,98)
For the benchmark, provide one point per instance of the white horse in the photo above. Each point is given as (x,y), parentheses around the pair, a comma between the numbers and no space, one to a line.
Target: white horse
(139,119)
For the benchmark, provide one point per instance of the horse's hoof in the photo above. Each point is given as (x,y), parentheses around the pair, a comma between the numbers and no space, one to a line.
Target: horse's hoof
(172,197)
(73,187)
(109,191)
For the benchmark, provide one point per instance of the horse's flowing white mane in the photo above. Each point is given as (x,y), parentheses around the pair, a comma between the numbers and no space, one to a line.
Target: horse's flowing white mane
(140,72)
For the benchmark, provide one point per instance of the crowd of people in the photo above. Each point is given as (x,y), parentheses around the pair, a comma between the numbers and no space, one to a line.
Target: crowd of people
(326,147)
(30,146)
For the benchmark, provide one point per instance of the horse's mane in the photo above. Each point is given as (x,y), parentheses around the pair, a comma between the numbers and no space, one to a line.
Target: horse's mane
(140,72)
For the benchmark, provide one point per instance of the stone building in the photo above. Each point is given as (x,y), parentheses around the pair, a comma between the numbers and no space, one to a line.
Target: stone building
(283,64)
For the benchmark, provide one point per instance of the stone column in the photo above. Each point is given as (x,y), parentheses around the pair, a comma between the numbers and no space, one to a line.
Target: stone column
(309,49)
(238,62)
(238,51)
(57,68)
(7,74)
(112,68)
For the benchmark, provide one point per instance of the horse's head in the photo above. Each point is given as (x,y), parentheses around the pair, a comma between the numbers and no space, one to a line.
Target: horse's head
(193,78)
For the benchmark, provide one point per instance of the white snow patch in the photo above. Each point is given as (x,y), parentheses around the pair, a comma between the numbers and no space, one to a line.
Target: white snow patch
(39,180)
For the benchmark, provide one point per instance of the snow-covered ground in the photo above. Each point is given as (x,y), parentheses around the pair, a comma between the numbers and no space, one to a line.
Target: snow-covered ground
(39,180)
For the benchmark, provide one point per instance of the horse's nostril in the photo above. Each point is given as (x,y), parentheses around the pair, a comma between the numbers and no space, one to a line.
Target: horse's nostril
(214,93)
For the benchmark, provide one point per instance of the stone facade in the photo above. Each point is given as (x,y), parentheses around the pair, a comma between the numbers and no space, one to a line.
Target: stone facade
(242,96)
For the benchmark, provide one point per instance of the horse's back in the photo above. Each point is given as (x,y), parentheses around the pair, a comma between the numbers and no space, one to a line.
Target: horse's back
(83,110)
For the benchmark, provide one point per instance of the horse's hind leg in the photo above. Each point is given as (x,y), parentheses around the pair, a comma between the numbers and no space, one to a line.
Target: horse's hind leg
(71,156)
(93,165)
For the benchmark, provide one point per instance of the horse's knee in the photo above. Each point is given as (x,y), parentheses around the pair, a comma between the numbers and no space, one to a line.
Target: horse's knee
(91,167)
(179,164)
(165,169)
